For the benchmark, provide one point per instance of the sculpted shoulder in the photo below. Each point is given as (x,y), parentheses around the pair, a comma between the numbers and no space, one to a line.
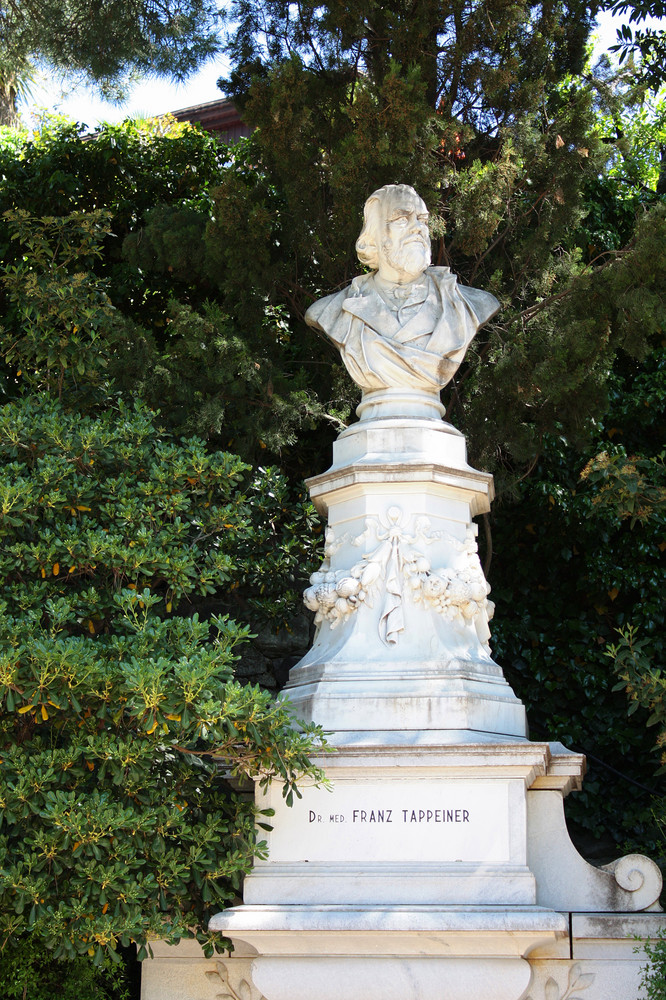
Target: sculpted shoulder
(317,309)
(323,313)
(484,305)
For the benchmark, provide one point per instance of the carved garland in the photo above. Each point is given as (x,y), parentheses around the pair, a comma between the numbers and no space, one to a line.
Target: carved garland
(459,594)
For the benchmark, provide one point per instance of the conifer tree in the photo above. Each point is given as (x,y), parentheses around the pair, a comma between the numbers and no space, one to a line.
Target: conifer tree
(483,108)
(111,42)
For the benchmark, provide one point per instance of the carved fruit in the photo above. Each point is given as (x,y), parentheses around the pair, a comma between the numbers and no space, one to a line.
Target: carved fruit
(348,586)
(310,599)
(434,586)
(326,594)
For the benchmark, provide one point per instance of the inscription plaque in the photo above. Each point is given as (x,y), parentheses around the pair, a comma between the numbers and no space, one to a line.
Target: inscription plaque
(395,821)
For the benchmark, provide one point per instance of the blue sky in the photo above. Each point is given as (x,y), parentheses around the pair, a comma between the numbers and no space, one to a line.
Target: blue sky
(155,97)
(149,97)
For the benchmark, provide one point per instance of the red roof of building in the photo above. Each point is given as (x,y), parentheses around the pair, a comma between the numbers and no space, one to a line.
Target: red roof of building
(219,117)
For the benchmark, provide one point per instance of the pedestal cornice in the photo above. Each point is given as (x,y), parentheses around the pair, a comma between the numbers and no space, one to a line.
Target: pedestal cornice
(344,483)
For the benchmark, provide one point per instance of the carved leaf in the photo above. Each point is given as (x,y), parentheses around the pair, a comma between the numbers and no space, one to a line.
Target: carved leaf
(552,990)
(244,990)
(580,980)
(220,974)
(584,981)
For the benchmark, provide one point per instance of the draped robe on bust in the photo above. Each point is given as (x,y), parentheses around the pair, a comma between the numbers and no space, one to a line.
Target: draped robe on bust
(418,346)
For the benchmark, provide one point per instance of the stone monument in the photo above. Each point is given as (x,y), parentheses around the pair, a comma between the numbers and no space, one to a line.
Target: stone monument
(438,866)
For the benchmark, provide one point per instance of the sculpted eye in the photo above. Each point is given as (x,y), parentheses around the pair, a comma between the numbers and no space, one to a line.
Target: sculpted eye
(401,220)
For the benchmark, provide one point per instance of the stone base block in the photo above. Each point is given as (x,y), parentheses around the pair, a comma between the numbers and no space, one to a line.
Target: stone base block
(463,703)
(392,885)
(601,960)
(402,825)
(385,978)
(597,957)
(371,953)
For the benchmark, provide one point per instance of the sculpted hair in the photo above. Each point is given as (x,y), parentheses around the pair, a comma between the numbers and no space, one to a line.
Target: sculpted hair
(367,245)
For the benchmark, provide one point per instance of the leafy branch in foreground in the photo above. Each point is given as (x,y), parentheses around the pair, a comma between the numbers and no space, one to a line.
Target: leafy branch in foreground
(123,735)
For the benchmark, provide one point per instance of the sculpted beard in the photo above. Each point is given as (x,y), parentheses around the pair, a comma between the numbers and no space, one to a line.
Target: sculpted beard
(411,255)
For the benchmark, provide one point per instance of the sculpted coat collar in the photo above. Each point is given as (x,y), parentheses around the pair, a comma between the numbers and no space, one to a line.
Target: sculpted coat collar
(423,351)
(364,301)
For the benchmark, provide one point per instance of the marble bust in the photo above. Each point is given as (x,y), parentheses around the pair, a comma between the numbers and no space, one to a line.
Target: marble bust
(406,325)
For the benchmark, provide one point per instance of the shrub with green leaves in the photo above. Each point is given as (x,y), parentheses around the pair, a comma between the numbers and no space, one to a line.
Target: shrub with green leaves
(653,975)
(116,712)
(123,735)
(29,972)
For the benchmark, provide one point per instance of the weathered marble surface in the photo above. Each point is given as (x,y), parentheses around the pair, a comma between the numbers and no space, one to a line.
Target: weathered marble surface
(401,603)
(439,866)
(595,960)
(405,325)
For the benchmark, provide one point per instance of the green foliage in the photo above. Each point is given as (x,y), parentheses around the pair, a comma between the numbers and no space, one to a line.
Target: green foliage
(114,504)
(653,975)
(109,46)
(27,972)
(641,678)
(632,487)
(124,169)
(117,712)
(581,556)
(636,38)
(638,136)
(59,310)
(475,61)
(196,338)
(123,736)
(71,341)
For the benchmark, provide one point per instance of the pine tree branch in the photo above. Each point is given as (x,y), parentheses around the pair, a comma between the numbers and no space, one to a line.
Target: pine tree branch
(528,314)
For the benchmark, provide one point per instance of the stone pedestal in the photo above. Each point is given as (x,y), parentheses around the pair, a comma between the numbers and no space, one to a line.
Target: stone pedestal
(596,959)
(437,866)
(431,872)
(401,601)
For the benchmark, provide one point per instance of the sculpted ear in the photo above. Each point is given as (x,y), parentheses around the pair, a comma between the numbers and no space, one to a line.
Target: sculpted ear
(366,251)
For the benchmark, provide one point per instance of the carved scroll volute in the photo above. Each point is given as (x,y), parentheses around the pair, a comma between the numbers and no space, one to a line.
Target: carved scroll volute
(640,876)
